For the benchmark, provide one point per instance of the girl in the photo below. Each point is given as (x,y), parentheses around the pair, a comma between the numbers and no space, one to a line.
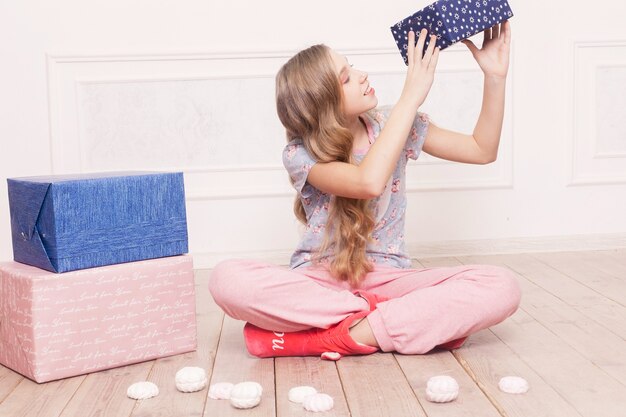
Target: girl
(350,289)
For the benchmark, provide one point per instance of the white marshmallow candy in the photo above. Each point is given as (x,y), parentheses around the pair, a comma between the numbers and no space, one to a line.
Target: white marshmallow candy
(513,385)
(331,356)
(246,394)
(298,394)
(318,403)
(221,390)
(190,379)
(442,389)
(142,390)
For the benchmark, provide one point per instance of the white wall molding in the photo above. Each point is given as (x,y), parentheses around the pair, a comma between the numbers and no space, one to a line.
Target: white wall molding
(205,260)
(117,56)
(519,245)
(598,154)
(588,165)
(69,75)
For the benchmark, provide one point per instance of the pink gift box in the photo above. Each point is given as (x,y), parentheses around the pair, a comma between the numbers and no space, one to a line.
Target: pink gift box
(55,326)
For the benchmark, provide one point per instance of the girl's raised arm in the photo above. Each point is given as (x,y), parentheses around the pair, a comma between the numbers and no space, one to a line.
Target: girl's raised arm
(368,179)
(481,147)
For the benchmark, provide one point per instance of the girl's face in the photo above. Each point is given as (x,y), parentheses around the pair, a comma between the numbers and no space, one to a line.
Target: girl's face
(358,95)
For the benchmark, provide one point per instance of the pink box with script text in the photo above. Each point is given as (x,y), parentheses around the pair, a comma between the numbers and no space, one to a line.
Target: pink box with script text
(54,326)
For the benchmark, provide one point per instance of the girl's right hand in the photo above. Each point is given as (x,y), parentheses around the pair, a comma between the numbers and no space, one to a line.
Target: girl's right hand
(421,70)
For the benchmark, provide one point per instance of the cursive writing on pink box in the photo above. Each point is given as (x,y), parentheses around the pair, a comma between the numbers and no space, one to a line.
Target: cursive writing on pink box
(55,326)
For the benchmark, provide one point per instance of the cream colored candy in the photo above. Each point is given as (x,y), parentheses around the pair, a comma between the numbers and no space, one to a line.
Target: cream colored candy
(513,385)
(331,356)
(221,390)
(298,394)
(246,394)
(142,390)
(442,389)
(257,385)
(191,379)
(318,403)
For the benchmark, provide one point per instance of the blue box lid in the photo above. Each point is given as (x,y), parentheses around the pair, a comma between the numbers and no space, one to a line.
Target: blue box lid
(66,222)
(451,21)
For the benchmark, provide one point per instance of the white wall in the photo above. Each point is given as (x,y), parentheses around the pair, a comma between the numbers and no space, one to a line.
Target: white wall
(92,86)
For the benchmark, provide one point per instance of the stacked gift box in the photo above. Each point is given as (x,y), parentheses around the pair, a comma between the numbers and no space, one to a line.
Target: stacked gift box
(100,277)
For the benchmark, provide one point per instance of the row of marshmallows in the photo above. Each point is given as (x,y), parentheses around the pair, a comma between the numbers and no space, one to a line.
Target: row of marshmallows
(248,395)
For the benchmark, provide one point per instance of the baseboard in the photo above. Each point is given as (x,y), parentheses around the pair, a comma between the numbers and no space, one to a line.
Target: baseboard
(206,260)
(518,245)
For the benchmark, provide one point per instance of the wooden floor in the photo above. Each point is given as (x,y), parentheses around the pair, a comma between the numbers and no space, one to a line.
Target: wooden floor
(567,340)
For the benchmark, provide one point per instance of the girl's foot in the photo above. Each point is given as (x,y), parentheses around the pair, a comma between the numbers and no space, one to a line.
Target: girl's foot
(313,342)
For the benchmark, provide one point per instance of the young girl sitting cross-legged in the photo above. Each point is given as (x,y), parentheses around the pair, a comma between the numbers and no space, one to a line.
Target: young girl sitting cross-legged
(350,288)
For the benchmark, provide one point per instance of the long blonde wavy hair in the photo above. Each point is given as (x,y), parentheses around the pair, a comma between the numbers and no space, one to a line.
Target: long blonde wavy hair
(309,104)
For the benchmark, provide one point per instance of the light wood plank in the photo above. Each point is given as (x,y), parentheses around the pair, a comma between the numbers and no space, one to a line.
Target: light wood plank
(592,304)
(573,265)
(605,312)
(487,359)
(612,262)
(438,262)
(234,364)
(170,401)
(322,375)
(415,263)
(471,401)
(584,335)
(587,388)
(9,379)
(104,393)
(619,255)
(587,337)
(608,314)
(547,277)
(30,399)
(376,387)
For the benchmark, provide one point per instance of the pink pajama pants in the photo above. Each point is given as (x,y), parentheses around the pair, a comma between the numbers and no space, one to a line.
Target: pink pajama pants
(426,307)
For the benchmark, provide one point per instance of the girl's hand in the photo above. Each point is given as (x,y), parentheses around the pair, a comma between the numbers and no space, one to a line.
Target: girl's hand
(421,70)
(493,57)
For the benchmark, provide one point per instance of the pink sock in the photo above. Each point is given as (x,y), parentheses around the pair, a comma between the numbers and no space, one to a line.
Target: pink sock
(313,342)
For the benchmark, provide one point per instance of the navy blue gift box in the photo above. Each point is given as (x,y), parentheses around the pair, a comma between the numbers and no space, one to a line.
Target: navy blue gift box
(65,223)
(451,21)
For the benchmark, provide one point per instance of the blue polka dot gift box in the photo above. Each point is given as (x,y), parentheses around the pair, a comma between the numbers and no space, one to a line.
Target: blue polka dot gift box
(63,223)
(451,21)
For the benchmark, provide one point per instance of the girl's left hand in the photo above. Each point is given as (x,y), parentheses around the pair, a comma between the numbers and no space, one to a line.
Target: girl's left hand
(493,57)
